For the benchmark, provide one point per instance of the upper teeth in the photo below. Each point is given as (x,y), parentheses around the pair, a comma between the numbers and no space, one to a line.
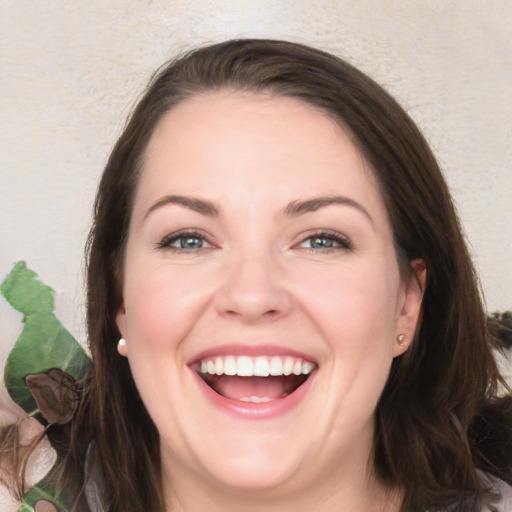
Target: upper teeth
(245,366)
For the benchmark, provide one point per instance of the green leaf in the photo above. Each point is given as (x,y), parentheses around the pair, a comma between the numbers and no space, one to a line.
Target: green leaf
(44,491)
(25,293)
(44,342)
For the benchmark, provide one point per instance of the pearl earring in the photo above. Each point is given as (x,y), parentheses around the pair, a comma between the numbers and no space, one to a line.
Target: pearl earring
(120,347)
(401,339)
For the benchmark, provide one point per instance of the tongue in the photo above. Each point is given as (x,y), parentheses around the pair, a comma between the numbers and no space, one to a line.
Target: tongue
(236,388)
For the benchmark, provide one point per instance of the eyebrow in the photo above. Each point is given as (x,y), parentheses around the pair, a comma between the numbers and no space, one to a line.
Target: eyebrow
(293,209)
(202,206)
(296,208)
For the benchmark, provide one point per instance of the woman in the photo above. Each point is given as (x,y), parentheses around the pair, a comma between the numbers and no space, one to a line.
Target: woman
(300,322)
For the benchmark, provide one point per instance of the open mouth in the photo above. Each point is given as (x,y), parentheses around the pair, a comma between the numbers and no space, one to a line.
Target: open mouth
(254,379)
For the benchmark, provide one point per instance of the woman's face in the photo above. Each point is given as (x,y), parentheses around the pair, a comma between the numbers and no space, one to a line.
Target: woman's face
(260,248)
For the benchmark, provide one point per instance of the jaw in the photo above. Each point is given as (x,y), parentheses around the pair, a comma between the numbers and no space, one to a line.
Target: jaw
(274,475)
(259,445)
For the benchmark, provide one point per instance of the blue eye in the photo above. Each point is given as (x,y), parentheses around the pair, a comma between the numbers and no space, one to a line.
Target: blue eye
(321,242)
(185,242)
(326,242)
(188,242)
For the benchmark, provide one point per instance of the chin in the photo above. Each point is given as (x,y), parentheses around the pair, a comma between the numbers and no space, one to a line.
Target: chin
(246,474)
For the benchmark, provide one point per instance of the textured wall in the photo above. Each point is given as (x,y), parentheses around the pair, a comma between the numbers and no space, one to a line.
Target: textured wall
(70,72)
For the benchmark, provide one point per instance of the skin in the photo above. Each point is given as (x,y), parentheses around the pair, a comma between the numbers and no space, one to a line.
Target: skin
(258,280)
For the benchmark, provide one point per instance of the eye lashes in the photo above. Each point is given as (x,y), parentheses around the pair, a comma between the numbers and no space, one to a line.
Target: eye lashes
(166,242)
(343,242)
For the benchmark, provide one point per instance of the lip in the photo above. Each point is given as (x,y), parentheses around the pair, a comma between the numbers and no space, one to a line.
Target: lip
(249,410)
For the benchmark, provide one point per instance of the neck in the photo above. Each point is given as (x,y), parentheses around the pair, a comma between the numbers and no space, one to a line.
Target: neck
(347,491)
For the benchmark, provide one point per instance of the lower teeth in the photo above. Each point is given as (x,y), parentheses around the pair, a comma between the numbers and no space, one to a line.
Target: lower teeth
(256,399)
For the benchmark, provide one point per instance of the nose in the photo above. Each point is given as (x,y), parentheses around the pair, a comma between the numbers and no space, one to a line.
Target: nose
(253,291)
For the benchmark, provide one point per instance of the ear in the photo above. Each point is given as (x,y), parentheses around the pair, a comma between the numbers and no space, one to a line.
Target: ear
(121,326)
(413,288)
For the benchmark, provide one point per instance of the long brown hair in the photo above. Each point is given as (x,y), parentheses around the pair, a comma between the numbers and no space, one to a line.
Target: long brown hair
(433,435)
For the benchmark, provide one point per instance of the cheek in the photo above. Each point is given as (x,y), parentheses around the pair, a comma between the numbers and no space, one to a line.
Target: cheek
(161,305)
(145,305)
(355,307)
(355,311)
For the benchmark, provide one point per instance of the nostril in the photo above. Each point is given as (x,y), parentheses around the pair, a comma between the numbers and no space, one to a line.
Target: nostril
(252,302)
(270,312)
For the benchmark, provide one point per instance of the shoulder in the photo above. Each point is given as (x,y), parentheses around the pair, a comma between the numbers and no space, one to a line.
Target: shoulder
(500,489)
(503,490)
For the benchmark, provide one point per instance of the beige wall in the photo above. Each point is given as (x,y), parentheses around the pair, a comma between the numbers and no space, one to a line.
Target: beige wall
(70,71)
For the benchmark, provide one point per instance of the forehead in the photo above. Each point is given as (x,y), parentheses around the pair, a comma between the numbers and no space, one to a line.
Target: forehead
(225,143)
(248,117)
